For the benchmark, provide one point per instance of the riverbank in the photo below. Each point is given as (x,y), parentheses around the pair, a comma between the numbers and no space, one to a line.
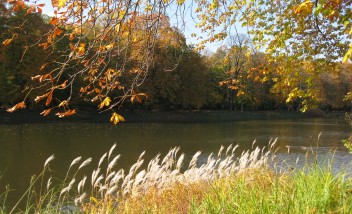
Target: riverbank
(310,190)
(223,184)
(31,116)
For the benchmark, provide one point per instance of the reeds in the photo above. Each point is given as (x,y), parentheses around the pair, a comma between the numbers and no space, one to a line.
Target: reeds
(221,182)
(107,187)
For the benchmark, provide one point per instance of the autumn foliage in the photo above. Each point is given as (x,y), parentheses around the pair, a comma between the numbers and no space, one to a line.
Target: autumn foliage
(106,51)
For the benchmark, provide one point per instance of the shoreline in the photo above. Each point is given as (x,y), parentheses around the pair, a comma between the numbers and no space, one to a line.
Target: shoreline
(202,116)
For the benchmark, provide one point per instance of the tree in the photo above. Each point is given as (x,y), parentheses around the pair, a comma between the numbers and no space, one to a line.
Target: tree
(19,59)
(103,48)
(216,95)
(236,64)
(177,78)
(291,32)
(111,42)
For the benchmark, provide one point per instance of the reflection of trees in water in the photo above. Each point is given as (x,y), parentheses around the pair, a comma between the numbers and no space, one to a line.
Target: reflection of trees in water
(24,148)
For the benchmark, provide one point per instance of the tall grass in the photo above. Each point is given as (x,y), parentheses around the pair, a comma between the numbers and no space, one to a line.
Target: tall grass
(224,183)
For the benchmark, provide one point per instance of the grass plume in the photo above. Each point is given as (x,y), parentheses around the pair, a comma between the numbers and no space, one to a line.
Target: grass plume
(221,183)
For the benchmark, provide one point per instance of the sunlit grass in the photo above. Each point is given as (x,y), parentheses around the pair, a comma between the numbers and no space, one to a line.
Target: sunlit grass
(224,183)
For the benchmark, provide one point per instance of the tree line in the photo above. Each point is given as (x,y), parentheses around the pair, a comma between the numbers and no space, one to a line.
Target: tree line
(235,77)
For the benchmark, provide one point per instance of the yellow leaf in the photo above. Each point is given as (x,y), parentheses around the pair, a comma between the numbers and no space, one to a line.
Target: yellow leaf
(117,28)
(148,8)
(257,79)
(116,118)
(304,8)
(240,93)
(81,50)
(106,102)
(108,47)
(61,3)
(63,103)
(347,56)
(180,2)
(213,6)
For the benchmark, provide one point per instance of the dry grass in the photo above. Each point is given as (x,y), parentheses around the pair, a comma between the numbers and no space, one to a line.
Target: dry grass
(224,183)
(165,180)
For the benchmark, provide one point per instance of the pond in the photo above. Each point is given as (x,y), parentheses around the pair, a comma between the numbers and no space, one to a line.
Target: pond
(24,148)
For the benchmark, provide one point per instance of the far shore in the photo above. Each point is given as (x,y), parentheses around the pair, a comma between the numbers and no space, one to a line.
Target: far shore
(202,116)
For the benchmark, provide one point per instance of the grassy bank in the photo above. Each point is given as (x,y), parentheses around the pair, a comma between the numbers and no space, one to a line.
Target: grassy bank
(218,183)
(313,190)
(30,116)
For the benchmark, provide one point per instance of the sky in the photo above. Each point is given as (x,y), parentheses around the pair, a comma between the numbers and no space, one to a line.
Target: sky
(188,29)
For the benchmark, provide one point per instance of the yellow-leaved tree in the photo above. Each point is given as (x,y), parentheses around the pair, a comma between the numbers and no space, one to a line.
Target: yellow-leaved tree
(108,41)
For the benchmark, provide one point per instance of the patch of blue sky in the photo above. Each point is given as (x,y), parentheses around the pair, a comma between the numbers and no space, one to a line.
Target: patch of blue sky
(185,19)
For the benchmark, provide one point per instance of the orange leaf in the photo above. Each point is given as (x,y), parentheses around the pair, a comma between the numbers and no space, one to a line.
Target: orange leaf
(53,21)
(43,66)
(58,31)
(41,78)
(63,85)
(20,105)
(7,42)
(18,5)
(39,98)
(16,8)
(82,90)
(54,3)
(50,97)
(37,77)
(31,10)
(72,36)
(39,10)
(45,112)
(138,97)
(66,113)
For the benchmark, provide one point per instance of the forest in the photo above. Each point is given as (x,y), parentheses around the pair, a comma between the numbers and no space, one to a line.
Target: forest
(221,130)
(69,66)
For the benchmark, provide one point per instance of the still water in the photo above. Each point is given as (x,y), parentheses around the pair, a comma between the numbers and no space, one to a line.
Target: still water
(24,148)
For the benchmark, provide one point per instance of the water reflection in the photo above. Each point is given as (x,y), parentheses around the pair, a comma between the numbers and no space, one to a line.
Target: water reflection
(24,148)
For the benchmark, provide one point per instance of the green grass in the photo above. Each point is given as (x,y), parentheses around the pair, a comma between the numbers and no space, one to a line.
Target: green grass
(224,184)
(309,190)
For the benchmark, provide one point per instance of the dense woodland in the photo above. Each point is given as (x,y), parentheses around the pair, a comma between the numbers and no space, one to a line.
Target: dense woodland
(180,77)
